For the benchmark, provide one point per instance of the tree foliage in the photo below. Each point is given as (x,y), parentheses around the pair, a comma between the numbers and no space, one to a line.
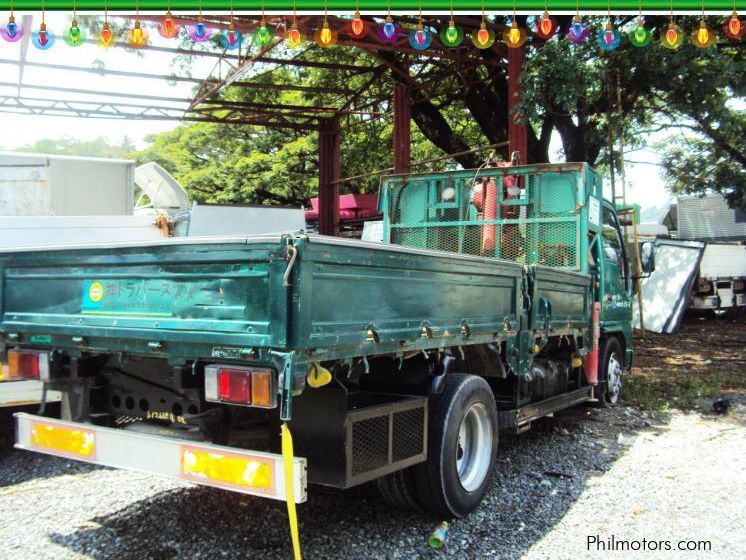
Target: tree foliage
(577,92)
(69,146)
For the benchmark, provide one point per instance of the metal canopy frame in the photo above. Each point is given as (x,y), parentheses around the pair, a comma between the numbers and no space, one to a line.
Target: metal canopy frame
(245,68)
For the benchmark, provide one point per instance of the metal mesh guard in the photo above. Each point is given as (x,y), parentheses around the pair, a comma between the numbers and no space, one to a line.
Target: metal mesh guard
(457,214)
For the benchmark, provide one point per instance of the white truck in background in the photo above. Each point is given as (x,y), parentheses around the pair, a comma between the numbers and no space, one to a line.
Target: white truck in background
(720,283)
(721,280)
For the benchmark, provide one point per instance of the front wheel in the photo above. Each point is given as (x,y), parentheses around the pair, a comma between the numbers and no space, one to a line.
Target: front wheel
(611,360)
(462,447)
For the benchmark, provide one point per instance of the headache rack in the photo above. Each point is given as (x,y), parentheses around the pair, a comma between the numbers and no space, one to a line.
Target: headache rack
(530,214)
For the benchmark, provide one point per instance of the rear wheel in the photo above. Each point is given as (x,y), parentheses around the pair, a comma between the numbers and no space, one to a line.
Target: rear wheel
(462,448)
(398,489)
(611,363)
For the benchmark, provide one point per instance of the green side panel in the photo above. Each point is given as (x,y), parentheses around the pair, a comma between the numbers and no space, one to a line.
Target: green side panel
(218,293)
(345,288)
(561,300)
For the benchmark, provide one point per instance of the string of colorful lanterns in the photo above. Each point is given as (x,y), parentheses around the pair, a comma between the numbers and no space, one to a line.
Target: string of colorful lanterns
(419,38)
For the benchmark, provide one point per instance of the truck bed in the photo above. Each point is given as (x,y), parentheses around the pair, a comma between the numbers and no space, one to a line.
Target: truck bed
(219,297)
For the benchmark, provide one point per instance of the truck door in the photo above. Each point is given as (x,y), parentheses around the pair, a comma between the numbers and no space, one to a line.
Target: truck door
(615,296)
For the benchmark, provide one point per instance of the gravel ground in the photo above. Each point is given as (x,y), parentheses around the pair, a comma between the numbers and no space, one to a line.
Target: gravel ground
(584,472)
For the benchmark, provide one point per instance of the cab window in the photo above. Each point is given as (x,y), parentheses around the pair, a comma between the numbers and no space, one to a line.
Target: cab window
(612,242)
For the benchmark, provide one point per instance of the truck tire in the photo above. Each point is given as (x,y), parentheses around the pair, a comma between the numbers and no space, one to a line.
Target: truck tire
(462,447)
(397,489)
(610,363)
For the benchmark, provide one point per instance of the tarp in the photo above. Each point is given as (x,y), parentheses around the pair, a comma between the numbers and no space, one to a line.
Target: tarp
(665,293)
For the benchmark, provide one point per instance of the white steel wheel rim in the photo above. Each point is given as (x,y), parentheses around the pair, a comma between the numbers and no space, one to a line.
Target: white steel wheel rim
(474,447)
(614,379)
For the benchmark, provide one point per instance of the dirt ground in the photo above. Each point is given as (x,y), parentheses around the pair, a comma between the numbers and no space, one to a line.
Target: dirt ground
(703,361)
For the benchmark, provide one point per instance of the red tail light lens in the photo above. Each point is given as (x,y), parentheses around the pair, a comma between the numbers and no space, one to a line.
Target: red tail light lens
(234,386)
(246,386)
(28,364)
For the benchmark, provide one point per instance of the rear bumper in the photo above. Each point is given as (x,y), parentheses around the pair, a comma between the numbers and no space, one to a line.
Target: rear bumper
(259,473)
(718,302)
(22,393)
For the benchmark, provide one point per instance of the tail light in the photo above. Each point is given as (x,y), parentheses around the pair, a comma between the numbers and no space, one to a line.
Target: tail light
(240,385)
(28,364)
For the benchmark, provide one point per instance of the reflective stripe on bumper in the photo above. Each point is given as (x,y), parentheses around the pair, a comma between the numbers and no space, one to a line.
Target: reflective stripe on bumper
(248,472)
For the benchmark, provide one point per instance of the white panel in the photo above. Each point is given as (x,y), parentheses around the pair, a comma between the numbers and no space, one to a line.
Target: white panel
(19,393)
(244,220)
(722,260)
(24,191)
(42,231)
(666,292)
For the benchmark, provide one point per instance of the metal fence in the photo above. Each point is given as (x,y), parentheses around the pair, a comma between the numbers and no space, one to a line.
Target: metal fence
(530,218)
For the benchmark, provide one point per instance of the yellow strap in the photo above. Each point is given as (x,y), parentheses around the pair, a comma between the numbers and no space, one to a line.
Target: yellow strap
(287,458)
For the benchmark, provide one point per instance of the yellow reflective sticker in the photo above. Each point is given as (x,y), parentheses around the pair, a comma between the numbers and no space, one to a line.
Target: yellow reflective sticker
(79,443)
(228,469)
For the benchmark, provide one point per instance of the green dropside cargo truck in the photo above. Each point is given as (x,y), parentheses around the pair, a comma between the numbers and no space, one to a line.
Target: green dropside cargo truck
(499,296)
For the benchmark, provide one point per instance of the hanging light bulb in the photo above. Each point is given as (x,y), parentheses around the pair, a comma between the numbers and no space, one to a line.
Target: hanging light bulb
(264,34)
(547,26)
(43,39)
(389,32)
(230,39)
(514,36)
(74,35)
(451,36)
(578,32)
(168,28)
(200,32)
(484,38)
(734,28)
(672,37)
(105,36)
(325,37)
(420,38)
(703,37)
(137,37)
(640,36)
(294,38)
(357,25)
(11,31)
(609,39)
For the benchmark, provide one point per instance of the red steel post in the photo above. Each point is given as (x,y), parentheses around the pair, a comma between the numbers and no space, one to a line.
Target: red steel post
(329,172)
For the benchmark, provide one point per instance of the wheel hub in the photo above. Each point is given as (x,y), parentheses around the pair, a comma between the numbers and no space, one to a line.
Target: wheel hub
(474,447)
(614,379)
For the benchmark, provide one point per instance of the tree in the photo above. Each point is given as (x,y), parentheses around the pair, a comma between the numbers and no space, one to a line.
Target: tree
(67,145)
(694,166)
(576,91)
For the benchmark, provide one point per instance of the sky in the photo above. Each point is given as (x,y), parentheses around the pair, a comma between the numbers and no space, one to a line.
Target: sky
(645,185)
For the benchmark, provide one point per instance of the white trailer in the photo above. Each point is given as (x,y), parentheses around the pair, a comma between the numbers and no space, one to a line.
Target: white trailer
(51,185)
(721,279)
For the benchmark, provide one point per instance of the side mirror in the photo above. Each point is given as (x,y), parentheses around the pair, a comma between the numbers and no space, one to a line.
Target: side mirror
(647,258)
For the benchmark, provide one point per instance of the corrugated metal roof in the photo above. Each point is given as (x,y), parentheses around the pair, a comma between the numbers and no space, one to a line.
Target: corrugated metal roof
(709,218)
